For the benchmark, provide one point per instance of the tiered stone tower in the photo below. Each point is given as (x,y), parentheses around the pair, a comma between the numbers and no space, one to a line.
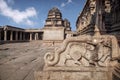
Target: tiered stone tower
(67,25)
(54,18)
(55,26)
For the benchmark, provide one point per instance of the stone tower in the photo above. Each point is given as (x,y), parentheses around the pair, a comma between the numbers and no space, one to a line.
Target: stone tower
(67,25)
(55,27)
(54,18)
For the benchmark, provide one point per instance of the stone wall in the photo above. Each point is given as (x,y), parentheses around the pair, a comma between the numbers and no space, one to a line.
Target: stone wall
(53,33)
(105,14)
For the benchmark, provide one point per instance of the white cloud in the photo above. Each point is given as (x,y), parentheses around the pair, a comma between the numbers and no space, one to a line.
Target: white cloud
(16,15)
(69,1)
(64,4)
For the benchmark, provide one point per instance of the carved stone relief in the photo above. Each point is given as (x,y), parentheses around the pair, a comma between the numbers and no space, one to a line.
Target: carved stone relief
(83,51)
(92,6)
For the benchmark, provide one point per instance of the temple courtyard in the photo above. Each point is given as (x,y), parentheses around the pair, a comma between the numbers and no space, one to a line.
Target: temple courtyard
(18,61)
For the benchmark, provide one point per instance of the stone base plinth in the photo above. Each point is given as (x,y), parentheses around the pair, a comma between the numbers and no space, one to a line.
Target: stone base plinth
(95,74)
(53,33)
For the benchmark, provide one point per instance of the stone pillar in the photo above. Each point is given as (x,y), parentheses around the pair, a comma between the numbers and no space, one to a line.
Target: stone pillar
(96,30)
(0,36)
(16,38)
(5,35)
(23,36)
(36,36)
(30,36)
(11,35)
(20,35)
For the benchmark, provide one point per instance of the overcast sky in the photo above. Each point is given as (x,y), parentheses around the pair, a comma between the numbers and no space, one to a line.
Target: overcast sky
(33,13)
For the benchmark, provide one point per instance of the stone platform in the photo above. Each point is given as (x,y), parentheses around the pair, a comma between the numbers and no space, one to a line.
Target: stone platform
(75,73)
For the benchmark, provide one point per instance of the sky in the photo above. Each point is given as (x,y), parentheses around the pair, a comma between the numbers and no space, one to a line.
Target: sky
(29,14)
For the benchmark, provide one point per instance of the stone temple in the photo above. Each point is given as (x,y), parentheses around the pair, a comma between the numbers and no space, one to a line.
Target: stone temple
(90,53)
(55,26)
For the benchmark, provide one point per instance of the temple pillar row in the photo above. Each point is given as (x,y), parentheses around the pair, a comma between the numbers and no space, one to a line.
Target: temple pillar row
(18,35)
(10,35)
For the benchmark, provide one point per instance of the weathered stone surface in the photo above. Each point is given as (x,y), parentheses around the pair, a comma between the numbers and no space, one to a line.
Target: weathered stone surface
(103,13)
(18,61)
(94,74)
(81,58)
(53,33)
